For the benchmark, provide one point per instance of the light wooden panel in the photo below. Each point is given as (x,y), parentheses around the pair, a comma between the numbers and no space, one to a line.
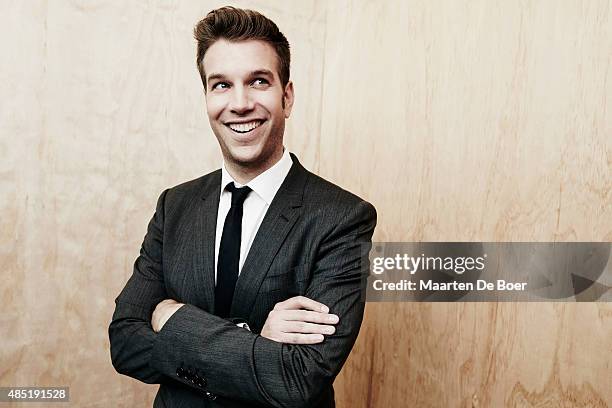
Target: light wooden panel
(475,121)
(102,108)
(460,120)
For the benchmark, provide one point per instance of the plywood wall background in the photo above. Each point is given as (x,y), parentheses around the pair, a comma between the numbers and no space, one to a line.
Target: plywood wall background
(459,120)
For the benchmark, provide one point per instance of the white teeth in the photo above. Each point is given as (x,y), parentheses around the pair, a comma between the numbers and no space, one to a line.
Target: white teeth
(245,127)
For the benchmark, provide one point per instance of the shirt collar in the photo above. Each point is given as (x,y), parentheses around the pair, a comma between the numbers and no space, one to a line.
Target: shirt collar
(267,183)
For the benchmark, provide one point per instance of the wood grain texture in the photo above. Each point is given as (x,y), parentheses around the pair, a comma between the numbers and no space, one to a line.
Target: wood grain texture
(475,121)
(459,120)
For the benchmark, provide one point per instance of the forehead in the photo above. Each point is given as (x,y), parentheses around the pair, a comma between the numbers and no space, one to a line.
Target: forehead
(236,59)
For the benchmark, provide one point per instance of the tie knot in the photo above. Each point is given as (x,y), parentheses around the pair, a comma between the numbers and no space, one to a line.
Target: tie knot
(238,194)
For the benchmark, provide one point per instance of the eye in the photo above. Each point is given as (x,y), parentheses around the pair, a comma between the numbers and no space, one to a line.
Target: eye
(259,82)
(220,85)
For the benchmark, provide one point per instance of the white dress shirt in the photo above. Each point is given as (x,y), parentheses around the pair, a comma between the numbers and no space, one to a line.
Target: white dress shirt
(255,206)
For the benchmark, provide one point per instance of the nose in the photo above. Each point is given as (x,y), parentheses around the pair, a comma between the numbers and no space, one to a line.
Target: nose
(241,102)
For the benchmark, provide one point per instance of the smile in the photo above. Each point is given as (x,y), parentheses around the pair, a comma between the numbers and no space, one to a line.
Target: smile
(245,127)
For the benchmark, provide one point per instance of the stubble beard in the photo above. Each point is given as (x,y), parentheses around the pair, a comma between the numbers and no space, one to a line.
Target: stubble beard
(262,160)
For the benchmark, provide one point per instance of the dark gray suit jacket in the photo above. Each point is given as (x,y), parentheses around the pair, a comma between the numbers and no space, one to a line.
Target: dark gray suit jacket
(313,241)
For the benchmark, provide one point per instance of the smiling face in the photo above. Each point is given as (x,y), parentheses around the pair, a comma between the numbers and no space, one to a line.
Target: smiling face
(247,104)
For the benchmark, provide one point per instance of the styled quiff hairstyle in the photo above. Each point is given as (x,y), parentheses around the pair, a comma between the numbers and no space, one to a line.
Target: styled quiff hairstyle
(234,24)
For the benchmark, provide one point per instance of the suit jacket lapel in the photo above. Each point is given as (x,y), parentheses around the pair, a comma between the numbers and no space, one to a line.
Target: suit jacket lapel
(205,240)
(278,221)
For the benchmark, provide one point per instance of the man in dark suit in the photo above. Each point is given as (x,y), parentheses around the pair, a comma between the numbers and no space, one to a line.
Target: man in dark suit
(248,287)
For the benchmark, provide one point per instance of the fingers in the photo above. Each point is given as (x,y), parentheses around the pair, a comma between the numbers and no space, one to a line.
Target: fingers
(297,338)
(301,302)
(281,331)
(307,328)
(162,313)
(167,302)
(284,323)
(307,316)
(299,320)
(302,316)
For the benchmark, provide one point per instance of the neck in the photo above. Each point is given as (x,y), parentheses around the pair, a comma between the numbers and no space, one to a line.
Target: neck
(243,173)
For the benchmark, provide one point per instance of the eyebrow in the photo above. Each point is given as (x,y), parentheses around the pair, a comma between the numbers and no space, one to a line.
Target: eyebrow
(265,72)
(214,76)
(258,72)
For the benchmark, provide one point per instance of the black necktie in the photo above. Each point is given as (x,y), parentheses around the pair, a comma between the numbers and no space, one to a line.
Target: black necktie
(229,252)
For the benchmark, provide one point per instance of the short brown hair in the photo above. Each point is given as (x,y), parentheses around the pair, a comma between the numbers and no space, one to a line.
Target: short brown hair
(234,24)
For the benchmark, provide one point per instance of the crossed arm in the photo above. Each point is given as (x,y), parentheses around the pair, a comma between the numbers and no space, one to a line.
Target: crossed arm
(297,320)
(265,370)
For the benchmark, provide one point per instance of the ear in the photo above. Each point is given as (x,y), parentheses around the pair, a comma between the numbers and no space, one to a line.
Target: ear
(288,97)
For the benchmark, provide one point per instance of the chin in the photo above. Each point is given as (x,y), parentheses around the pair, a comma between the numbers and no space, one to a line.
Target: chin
(247,155)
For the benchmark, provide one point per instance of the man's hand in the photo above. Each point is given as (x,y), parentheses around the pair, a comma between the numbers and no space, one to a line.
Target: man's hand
(163,311)
(289,323)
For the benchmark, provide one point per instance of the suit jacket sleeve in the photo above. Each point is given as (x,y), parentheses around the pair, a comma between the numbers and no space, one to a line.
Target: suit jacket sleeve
(130,332)
(234,362)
